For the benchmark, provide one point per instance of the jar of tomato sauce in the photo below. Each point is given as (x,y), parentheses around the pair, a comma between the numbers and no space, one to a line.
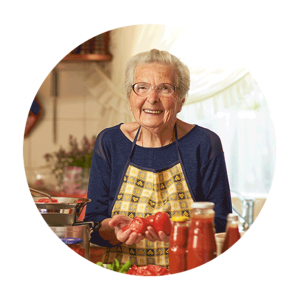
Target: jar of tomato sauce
(201,246)
(232,232)
(75,244)
(178,243)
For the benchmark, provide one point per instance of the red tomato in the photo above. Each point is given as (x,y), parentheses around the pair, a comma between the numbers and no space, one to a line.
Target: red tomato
(158,270)
(162,222)
(150,220)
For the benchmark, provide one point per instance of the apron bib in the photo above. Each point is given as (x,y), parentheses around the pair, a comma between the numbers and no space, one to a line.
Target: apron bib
(143,192)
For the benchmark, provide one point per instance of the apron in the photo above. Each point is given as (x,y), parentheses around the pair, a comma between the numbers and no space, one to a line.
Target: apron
(143,192)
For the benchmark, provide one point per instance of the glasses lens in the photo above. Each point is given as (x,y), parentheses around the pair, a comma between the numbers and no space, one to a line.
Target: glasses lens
(166,89)
(143,89)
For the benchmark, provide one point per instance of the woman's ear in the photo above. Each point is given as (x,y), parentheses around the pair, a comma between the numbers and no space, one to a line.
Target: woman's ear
(129,105)
(180,104)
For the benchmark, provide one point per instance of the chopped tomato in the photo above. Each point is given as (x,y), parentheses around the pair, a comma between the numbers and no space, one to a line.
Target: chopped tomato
(125,228)
(150,270)
(138,225)
(46,200)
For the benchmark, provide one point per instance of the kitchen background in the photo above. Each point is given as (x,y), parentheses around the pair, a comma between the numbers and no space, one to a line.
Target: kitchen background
(84,94)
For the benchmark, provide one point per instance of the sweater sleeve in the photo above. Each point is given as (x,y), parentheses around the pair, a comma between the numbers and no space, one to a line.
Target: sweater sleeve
(98,191)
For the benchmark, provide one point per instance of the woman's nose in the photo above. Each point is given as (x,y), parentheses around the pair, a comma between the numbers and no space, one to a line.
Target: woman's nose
(153,96)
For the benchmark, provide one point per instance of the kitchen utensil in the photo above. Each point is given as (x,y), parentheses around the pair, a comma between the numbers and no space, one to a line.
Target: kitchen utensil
(41,193)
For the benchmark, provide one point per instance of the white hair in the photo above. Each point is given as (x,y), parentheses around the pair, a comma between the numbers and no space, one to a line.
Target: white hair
(162,57)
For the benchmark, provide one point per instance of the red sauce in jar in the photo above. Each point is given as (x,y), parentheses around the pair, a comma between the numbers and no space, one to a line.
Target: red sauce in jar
(178,245)
(231,237)
(201,246)
(78,249)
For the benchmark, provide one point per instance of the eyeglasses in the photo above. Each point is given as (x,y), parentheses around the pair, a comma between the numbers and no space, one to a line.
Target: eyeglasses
(164,89)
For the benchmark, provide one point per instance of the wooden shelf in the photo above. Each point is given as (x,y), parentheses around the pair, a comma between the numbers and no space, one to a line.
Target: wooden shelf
(93,50)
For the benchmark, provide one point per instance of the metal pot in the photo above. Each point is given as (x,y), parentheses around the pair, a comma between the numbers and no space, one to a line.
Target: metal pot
(64,212)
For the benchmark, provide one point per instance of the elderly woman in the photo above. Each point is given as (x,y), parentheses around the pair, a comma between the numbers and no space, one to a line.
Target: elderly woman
(157,163)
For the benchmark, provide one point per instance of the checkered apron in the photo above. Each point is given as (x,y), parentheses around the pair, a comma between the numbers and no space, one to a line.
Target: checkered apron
(144,192)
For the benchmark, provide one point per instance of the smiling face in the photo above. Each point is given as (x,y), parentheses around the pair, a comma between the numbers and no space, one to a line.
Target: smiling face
(154,111)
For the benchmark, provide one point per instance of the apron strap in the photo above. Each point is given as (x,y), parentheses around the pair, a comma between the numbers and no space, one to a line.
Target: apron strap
(136,136)
(177,145)
(176,136)
(134,142)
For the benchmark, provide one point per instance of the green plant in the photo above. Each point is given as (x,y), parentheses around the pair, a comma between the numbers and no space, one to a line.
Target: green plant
(77,155)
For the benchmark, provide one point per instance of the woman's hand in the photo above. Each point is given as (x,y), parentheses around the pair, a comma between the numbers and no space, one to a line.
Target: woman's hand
(153,236)
(127,236)
(108,233)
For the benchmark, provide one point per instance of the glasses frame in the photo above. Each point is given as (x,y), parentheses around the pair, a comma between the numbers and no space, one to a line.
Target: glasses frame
(154,88)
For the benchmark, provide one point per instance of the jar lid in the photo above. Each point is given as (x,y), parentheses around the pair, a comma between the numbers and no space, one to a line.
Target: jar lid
(72,241)
(180,218)
(232,217)
(202,205)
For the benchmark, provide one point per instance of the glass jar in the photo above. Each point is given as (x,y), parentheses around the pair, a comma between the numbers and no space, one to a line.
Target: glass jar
(232,232)
(178,244)
(96,253)
(201,247)
(75,244)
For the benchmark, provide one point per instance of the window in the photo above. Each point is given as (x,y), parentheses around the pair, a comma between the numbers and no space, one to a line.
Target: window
(248,139)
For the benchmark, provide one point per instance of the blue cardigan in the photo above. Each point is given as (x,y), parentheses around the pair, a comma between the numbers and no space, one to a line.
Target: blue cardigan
(203,160)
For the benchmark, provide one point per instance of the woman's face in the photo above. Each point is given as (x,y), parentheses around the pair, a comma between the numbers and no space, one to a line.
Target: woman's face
(155,111)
